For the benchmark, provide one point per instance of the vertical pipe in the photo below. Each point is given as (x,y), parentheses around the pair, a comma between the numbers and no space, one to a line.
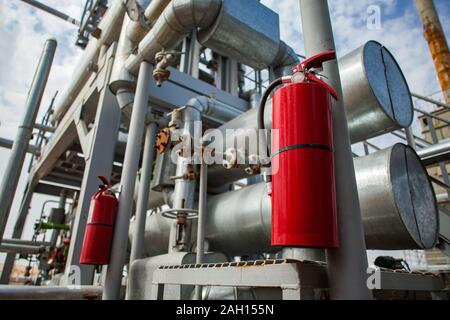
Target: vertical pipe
(410,138)
(113,279)
(144,191)
(201,219)
(434,35)
(24,133)
(347,265)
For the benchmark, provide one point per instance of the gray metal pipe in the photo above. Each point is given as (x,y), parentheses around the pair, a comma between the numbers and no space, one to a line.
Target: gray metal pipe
(110,26)
(202,201)
(24,133)
(52,11)
(347,265)
(50,292)
(436,153)
(8,144)
(144,191)
(25,242)
(21,248)
(113,279)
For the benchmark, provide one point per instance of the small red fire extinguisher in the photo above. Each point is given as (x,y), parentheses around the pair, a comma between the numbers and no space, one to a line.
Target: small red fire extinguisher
(100,226)
(304,210)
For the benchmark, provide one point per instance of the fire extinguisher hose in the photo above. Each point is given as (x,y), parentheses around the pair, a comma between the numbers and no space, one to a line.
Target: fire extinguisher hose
(262,106)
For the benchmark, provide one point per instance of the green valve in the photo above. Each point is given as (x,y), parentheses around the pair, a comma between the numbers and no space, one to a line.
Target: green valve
(53,226)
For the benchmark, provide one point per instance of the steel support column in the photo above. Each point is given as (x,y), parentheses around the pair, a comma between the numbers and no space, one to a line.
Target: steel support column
(21,142)
(113,279)
(99,162)
(347,265)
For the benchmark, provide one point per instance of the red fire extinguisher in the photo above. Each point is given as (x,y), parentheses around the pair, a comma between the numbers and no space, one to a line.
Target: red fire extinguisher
(100,226)
(304,211)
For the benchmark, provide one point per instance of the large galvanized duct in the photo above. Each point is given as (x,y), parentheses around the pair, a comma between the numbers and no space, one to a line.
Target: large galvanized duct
(110,27)
(376,94)
(243,30)
(397,203)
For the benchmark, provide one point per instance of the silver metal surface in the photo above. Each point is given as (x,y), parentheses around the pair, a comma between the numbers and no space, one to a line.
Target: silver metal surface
(253,39)
(246,31)
(239,222)
(24,133)
(50,293)
(113,280)
(144,192)
(397,200)
(376,95)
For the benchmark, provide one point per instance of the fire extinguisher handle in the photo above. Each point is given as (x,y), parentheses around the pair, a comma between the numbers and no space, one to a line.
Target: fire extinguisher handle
(105,181)
(317,60)
(313,78)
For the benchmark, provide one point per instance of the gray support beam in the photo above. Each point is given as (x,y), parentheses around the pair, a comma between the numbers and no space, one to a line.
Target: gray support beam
(18,228)
(347,265)
(99,162)
(113,280)
(144,190)
(24,133)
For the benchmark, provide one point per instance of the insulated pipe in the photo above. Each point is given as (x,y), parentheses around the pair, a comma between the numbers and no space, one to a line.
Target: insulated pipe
(181,17)
(135,31)
(389,182)
(144,191)
(58,216)
(24,133)
(110,26)
(50,293)
(347,265)
(113,278)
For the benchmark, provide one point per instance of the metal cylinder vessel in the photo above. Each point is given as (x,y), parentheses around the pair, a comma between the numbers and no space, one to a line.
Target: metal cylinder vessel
(376,94)
(397,201)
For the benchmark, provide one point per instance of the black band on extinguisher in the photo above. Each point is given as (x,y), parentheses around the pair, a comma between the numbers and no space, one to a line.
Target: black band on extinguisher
(302,146)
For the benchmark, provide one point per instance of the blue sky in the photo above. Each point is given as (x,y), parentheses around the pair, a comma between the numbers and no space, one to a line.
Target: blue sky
(23,31)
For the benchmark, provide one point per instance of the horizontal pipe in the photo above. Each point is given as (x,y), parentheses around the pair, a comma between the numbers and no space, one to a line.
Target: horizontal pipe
(8,144)
(44,128)
(25,242)
(20,248)
(435,154)
(8,292)
(435,102)
(53,12)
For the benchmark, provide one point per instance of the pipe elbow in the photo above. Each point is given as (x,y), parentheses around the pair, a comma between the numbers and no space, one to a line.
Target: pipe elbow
(286,56)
